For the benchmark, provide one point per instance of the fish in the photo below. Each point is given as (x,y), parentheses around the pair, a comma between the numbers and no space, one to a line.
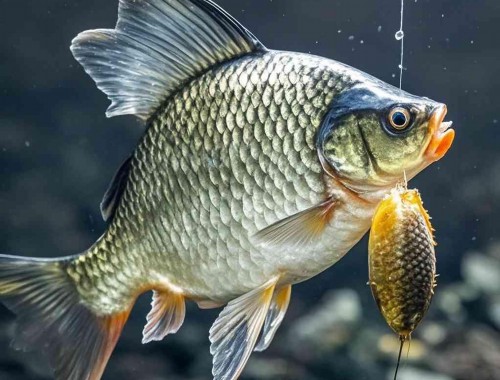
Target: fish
(257,170)
(402,261)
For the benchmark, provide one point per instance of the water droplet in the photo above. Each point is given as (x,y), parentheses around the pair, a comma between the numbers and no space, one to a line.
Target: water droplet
(394,75)
(379,29)
(339,31)
(361,42)
(27,143)
(399,35)
(472,41)
(351,38)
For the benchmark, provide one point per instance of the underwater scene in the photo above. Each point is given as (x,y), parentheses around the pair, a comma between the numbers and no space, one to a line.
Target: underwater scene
(252,189)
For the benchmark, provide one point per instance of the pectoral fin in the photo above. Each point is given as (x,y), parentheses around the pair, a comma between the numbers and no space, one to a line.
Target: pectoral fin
(166,316)
(299,229)
(235,332)
(275,315)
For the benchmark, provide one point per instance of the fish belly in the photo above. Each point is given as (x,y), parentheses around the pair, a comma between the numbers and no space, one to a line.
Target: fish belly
(228,155)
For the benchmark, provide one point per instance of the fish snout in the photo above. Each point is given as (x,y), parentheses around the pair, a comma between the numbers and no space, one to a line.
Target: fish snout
(442,135)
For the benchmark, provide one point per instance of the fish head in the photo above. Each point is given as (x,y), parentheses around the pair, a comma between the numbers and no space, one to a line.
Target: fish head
(374,135)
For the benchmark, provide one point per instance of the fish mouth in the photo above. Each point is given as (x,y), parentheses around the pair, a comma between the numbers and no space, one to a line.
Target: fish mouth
(442,135)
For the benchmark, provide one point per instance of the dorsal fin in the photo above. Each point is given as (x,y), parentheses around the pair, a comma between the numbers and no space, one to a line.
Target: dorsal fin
(155,48)
(115,190)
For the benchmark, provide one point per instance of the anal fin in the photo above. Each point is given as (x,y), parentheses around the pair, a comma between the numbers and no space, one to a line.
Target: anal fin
(275,315)
(168,310)
(235,332)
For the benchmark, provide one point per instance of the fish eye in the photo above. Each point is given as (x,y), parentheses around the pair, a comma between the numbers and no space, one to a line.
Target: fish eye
(399,118)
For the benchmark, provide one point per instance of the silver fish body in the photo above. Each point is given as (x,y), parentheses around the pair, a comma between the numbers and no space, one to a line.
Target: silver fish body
(230,154)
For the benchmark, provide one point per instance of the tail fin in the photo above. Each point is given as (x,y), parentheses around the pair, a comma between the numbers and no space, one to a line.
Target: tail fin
(51,318)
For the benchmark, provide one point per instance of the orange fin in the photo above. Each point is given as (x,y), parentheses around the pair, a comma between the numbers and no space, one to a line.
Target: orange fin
(235,332)
(298,229)
(51,317)
(166,315)
(275,315)
(97,349)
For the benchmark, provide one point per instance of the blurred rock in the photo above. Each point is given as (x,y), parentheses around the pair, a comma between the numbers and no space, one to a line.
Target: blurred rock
(471,354)
(409,373)
(389,345)
(494,310)
(494,250)
(449,301)
(433,333)
(132,366)
(331,324)
(274,369)
(482,272)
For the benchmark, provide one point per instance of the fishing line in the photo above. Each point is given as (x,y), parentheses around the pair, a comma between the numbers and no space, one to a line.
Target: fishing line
(405,364)
(402,340)
(400,36)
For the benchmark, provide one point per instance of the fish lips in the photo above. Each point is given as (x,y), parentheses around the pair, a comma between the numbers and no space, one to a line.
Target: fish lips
(442,135)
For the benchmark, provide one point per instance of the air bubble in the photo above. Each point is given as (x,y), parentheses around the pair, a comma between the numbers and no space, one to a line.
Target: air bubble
(399,35)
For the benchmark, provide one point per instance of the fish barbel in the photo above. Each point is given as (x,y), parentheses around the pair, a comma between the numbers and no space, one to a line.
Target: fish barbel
(402,261)
(258,169)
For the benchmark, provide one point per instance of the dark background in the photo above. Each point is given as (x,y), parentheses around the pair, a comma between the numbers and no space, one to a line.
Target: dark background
(58,153)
